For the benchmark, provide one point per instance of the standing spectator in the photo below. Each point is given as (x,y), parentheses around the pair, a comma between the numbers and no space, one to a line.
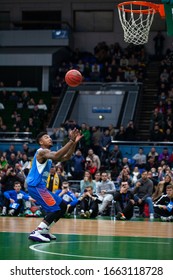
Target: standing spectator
(121,134)
(105,142)
(95,140)
(105,190)
(77,165)
(124,202)
(130,131)
(9,178)
(143,193)
(95,158)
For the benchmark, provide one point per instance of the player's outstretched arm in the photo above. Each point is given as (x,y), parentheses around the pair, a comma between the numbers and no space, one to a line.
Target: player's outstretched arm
(69,148)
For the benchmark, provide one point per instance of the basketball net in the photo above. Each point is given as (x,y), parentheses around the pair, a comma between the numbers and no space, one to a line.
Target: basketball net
(136,18)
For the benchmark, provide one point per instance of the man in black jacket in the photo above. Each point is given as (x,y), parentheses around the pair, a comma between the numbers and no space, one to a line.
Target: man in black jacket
(163,207)
(124,202)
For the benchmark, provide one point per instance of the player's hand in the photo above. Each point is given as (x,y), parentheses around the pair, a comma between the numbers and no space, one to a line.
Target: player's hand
(73,134)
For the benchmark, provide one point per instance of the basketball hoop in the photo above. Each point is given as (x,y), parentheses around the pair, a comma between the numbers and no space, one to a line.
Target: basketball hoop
(136,18)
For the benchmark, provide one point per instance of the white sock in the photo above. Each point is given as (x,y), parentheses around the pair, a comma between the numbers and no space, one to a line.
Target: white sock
(42,226)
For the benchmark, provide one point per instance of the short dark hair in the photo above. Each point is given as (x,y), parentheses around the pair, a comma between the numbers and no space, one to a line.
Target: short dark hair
(39,136)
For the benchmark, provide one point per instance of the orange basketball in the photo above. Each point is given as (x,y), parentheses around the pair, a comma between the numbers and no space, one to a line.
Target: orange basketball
(73,78)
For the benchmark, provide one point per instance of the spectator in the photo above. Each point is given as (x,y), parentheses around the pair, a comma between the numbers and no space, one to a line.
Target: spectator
(143,194)
(77,165)
(105,191)
(89,203)
(13,201)
(160,189)
(124,202)
(163,207)
(105,142)
(87,181)
(68,197)
(140,159)
(95,159)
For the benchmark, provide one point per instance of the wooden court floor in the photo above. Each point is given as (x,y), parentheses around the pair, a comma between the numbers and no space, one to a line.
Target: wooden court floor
(94,239)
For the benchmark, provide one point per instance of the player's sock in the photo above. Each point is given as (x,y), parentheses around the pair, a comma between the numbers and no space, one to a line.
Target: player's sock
(43,229)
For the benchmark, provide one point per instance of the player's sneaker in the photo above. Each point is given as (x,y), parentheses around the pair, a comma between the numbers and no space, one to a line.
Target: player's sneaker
(49,235)
(36,236)
(45,232)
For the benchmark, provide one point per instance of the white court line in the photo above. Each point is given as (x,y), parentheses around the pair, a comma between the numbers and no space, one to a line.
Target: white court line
(35,247)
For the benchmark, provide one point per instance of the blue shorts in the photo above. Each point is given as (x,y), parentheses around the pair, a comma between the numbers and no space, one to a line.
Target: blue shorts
(48,200)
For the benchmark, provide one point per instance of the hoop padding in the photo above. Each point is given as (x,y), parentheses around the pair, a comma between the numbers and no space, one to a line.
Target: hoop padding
(136,20)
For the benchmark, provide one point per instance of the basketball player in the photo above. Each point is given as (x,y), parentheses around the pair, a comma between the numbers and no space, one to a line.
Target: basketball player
(52,204)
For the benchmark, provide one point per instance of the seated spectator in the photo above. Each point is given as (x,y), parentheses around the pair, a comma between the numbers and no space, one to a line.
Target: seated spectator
(68,197)
(9,177)
(41,105)
(163,207)
(160,188)
(153,153)
(143,194)
(125,176)
(164,156)
(89,203)
(124,202)
(140,159)
(135,175)
(105,191)
(13,200)
(87,181)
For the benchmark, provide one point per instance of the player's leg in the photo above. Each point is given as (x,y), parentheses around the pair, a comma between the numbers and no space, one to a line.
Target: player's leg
(51,205)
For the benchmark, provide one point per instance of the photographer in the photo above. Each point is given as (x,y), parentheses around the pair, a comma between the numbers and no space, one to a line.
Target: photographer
(89,203)
(124,202)
(143,194)
(68,197)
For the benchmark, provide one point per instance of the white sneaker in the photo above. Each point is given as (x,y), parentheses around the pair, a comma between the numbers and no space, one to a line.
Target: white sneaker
(151,216)
(49,235)
(4,211)
(45,232)
(36,236)
(11,212)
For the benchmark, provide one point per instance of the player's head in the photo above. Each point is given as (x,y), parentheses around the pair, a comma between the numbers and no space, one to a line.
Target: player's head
(43,139)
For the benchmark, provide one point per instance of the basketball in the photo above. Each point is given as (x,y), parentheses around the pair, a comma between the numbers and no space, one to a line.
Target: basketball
(73,78)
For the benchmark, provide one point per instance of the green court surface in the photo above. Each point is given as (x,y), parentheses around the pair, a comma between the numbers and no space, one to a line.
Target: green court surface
(16,246)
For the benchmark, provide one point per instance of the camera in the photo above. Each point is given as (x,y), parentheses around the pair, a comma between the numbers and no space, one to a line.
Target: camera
(85,190)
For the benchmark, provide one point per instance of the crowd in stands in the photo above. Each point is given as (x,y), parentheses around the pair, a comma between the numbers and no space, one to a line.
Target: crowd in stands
(161,121)
(100,178)
(103,175)
(108,63)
